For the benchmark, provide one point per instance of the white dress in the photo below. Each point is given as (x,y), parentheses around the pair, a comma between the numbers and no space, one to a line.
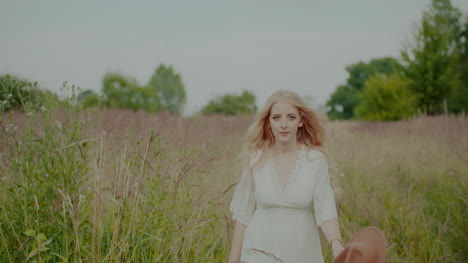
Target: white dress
(282,220)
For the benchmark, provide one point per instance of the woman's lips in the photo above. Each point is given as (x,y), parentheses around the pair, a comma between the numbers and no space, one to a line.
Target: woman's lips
(284,133)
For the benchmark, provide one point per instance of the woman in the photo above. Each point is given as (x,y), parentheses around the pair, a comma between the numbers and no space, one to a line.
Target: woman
(285,177)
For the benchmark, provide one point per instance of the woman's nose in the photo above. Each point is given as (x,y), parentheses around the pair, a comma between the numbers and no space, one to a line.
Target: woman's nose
(283,123)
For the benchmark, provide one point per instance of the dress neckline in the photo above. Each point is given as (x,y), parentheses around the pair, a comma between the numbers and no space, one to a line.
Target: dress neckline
(291,177)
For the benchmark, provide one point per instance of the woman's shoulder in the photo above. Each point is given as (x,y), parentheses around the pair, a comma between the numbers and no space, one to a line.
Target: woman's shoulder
(314,154)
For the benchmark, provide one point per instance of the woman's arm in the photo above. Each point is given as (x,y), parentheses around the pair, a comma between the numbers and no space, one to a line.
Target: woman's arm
(331,230)
(238,237)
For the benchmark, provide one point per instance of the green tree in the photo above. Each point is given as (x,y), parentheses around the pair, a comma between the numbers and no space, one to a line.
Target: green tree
(431,62)
(89,98)
(16,93)
(342,103)
(169,88)
(458,99)
(148,100)
(119,91)
(386,97)
(230,104)
(464,53)
(345,98)
(361,71)
(122,92)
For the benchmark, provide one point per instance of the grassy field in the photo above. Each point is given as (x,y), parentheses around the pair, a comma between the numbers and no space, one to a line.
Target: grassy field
(119,186)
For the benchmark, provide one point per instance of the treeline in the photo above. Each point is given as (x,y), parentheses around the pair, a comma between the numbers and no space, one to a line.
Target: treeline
(164,91)
(431,77)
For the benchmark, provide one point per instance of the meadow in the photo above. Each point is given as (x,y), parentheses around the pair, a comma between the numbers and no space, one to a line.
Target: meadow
(123,186)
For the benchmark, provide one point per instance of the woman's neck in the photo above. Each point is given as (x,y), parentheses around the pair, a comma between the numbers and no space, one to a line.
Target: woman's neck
(285,148)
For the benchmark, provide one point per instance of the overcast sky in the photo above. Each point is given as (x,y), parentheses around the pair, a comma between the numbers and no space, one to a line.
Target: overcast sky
(218,46)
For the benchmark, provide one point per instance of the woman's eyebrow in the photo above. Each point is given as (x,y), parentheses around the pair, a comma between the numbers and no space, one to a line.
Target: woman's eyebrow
(273,114)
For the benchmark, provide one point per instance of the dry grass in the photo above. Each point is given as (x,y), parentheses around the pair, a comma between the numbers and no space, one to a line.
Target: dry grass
(407,178)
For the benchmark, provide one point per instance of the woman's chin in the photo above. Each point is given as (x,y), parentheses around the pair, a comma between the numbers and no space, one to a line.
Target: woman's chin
(283,140)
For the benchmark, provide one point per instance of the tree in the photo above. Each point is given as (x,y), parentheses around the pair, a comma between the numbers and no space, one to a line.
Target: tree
(168,87)
(122,92)
(119,91)
(342,103)
(230,104)
(16,93)
(431,62)
(458,99)
(361,71)
(147,99)
(345,98)
(89,98)
(386,97)
(464,53)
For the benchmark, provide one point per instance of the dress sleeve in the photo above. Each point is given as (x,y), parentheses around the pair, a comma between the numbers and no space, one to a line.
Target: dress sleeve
(324,200)
(243,201)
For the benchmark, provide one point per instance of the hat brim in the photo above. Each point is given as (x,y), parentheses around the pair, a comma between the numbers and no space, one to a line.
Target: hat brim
(370,241)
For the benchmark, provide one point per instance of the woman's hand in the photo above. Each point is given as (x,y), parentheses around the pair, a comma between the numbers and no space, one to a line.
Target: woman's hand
(337,247)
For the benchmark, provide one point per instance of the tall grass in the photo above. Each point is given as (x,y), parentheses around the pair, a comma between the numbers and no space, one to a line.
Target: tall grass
(68,197)
(74,187)
(409,179)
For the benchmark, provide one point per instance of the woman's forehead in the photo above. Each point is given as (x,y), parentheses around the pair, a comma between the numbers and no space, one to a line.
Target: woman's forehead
(283,108)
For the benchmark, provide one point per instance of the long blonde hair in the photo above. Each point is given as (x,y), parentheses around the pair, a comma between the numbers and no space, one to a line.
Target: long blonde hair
(260,139)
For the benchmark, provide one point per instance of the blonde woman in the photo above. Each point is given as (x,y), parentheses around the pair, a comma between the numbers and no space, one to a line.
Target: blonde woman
(285,178)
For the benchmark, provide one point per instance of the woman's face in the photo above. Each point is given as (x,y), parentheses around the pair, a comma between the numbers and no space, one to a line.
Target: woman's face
(284,122)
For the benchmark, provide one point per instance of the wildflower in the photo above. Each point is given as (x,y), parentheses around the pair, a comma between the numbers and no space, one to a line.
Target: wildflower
(43,108)
(46,175)
(4,102)
(9,96)
(30,113)
(59,125)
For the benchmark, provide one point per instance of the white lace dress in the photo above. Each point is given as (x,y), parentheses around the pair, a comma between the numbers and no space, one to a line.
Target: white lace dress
(282,220)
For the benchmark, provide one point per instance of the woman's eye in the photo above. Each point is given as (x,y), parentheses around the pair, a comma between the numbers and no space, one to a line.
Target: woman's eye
(275,118)
(292,117)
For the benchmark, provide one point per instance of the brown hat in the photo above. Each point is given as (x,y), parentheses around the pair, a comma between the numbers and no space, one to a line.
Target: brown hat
(367,246)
